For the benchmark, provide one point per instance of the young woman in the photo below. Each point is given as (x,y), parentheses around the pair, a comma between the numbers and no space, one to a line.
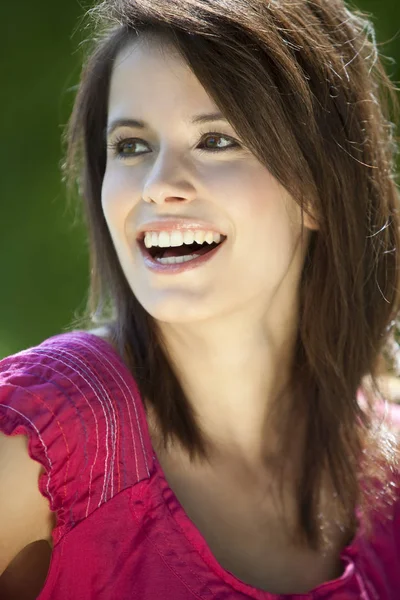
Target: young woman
(215,429)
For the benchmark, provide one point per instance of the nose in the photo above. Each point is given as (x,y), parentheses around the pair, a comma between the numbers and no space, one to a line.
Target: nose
(168,181)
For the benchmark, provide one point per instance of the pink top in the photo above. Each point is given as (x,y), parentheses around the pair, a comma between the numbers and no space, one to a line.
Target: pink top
(121,532)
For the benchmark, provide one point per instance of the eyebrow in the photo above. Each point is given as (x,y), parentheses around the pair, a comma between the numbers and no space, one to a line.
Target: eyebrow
(207,118)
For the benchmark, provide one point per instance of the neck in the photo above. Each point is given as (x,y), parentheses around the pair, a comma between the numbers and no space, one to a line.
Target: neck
(233,377)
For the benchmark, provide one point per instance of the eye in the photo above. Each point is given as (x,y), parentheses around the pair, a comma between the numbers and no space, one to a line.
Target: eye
(214,136)
(124,148)
(120,144)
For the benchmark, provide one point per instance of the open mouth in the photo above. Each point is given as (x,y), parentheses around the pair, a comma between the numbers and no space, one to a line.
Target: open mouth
(155,252)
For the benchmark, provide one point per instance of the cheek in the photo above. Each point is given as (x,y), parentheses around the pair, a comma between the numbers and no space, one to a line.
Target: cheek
(254,198)
(117,196)
(265,216)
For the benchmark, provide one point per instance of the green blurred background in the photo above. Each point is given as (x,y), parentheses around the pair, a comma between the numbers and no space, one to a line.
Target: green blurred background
(43,250)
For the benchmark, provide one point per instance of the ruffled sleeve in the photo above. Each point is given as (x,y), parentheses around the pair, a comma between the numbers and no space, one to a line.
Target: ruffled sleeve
(82,414)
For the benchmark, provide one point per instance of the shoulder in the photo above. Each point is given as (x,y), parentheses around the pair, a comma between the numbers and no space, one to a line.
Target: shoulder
(81,409)
(66,357)
(101,332)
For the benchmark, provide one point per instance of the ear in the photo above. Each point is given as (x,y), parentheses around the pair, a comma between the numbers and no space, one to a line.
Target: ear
(309,219)
(310,223)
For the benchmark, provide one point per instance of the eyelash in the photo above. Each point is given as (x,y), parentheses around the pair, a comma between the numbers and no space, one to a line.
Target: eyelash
(115,145)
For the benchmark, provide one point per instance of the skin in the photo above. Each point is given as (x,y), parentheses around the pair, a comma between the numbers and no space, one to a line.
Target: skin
(235,318)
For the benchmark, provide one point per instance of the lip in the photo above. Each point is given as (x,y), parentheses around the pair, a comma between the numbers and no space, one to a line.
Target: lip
(174,224)
(153,265)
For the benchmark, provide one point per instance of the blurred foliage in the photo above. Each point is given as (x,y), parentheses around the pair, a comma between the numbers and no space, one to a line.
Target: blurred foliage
(44,262)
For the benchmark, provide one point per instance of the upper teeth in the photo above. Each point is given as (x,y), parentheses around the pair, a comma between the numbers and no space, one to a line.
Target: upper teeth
(165,239)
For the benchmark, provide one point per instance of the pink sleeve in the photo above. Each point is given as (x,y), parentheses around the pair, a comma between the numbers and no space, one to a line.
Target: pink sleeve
(81,410)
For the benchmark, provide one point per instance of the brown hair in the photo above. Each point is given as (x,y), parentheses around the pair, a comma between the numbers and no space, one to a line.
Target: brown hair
(303,85)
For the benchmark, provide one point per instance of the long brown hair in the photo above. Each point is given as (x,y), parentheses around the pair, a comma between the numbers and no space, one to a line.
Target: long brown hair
(304,86)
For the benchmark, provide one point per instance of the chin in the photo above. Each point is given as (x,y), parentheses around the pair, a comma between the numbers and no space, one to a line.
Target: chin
(174,315)
(174,310)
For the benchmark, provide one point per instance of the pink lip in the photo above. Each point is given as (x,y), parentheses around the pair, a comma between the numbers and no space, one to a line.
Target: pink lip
(176,225)
(152,264)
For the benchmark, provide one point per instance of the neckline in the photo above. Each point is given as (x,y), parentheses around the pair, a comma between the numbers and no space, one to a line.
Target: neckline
(194,535)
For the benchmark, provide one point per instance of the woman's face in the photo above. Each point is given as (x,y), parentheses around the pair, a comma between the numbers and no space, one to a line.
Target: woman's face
(175,174)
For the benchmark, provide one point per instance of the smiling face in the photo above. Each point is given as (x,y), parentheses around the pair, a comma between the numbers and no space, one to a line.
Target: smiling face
(173,167)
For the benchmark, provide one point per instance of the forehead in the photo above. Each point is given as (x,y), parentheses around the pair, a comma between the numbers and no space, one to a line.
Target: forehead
(150,76)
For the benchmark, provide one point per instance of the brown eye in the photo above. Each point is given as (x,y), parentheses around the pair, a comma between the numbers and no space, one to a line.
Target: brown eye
(215,137)
(125,147)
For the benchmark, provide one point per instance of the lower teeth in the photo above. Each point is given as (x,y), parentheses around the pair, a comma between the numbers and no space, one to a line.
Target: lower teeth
(171,260)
